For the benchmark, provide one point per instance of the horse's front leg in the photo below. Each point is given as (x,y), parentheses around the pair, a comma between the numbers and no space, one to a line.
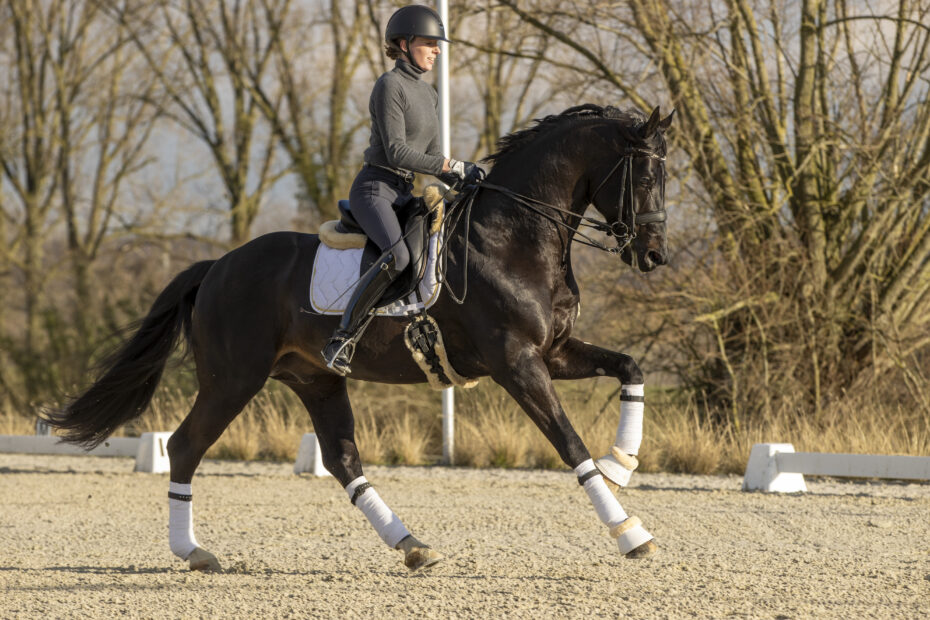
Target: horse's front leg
(575,359)
(527,379)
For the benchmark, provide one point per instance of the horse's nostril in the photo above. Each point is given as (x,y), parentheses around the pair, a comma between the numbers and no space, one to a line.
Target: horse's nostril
(656,257)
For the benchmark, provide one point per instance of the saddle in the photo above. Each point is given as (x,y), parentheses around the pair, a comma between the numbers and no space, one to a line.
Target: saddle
(421,221)
(419,218)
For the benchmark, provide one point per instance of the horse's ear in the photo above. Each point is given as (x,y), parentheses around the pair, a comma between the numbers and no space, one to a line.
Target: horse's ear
(649,129)
(666,122)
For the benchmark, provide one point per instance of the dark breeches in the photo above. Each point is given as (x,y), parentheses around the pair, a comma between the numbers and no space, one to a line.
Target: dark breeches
(372,198)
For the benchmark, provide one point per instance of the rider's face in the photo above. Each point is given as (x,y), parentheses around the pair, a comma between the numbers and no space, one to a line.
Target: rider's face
(423,51)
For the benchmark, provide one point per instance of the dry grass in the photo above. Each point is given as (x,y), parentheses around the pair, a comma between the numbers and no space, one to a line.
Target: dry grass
(269,428)
(14,424)
(402,425)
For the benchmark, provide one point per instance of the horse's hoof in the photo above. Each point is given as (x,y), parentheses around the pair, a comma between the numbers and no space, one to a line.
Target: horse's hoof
(632,538)
(201,559)
(421,557)
(645,550)
(416,554)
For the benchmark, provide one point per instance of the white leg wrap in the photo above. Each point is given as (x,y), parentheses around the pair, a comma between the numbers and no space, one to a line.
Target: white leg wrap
(618,466)
(382,518)
(608,509)
(630,427)
(181,521)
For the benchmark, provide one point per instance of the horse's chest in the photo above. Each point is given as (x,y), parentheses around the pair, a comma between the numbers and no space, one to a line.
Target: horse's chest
(565,307)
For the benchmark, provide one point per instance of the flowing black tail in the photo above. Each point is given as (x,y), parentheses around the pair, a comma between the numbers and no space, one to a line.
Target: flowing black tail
(131,374)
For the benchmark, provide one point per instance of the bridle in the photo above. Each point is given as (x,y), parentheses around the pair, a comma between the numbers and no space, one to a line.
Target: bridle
(623,229)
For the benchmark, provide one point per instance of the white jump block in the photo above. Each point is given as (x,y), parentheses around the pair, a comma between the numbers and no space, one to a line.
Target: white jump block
(309,458)
(152,453)
(776,467)
(762,472)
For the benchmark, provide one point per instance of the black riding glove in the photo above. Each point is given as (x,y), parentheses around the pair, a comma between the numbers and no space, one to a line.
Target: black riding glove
(464,173)
(448,178)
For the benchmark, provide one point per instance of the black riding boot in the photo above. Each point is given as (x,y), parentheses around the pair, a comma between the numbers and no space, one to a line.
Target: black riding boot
(341,346)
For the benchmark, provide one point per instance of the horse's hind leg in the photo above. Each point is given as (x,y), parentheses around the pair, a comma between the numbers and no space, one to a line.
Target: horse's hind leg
(328,404)
(212,412)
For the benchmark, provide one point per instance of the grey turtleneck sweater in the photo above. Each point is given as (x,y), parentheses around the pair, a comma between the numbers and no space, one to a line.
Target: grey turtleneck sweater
(404,122)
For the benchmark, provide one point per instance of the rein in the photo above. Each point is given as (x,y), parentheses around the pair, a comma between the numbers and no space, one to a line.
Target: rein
(531,204)
(623,229)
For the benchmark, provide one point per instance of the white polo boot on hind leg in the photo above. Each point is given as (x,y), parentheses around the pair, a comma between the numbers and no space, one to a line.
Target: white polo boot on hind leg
(181,529)
(618,465)
(632,538)
(389,526)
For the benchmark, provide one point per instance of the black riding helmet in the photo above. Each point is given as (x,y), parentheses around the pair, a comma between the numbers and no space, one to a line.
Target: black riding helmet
(414,21)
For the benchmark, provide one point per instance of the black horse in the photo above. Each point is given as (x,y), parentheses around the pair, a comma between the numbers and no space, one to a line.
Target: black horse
(242,315)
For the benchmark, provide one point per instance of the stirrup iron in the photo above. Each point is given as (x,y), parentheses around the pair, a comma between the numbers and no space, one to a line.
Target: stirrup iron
(339,359)
(345,350)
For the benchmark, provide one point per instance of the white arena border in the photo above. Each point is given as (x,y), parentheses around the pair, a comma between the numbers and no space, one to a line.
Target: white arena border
(777,468)
(149,450)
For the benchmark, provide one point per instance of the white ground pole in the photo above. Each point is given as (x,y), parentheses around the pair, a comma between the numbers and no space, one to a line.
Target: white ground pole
(150,450)
(777,468)
(445,142)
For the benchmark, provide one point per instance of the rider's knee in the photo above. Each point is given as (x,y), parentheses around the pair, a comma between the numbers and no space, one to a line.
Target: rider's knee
(401,257)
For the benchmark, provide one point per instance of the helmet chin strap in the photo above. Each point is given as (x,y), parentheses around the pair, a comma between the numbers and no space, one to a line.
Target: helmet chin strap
(409,56)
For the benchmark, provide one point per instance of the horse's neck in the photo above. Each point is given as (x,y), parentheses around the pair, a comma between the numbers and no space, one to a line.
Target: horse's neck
(553,177)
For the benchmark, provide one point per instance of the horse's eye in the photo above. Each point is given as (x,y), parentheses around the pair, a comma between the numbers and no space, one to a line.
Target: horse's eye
(647,181)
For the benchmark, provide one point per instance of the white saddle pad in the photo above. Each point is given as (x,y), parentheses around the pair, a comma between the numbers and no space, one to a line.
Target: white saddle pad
(335,276)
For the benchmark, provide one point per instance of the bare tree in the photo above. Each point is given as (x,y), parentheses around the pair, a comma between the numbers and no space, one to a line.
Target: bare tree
(502,57)
(28,159)
(808,129)
(75,141)
(201,52)
(320,117)
(103,130)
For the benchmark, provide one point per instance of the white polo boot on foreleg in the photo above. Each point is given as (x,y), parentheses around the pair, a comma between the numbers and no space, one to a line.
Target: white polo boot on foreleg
(618,465)
(632,538)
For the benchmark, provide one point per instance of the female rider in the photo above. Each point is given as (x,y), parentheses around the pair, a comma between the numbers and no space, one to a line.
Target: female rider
(404,140)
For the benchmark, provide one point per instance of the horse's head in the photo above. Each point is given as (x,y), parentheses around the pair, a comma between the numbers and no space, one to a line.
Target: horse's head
(631,195)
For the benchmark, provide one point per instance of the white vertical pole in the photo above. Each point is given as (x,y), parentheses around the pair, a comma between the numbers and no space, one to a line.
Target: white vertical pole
(445,137)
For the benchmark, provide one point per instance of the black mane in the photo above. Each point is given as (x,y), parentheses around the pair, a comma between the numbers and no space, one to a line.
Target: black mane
(517,140)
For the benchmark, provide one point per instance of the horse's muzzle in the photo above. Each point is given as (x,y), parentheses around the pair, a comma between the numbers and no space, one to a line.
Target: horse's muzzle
(652,259)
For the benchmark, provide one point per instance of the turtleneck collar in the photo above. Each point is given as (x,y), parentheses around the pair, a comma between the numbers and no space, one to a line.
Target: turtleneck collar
(408,69)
